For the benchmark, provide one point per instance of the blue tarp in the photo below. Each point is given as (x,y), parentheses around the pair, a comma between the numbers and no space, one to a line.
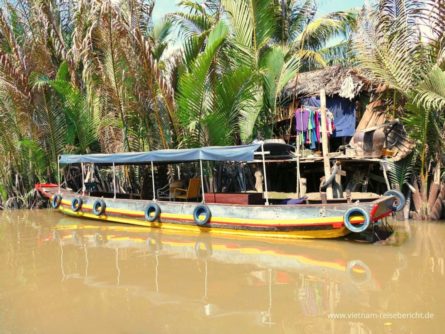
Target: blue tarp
(215,153)
(343,110)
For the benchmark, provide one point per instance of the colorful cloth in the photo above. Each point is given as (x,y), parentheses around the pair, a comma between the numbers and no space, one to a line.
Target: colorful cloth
(301,120)
(343,111)
(308,126)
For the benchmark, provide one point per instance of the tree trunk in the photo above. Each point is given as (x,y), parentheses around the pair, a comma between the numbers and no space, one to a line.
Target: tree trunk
(417,198)
(435,187)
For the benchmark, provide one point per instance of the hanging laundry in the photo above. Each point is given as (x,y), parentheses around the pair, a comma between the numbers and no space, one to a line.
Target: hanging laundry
(317,125)
(301,119)
(343,111)
(308,121)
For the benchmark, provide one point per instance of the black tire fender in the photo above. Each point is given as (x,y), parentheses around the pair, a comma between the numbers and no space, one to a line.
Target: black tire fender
(354,228)
(76,204)
(198,212)
(400,200)
(56,201)
(152,212)
(99,207)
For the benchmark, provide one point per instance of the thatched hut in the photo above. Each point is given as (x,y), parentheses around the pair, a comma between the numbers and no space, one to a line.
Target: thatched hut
(365,122)
(335,80)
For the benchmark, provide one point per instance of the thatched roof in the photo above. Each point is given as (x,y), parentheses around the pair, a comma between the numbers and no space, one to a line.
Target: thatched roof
(336,80)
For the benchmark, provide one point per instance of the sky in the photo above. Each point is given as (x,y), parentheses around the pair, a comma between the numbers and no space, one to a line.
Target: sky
(325,6)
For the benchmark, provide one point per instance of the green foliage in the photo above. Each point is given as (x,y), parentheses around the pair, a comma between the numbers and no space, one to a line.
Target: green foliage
(79,76)
(431,90)
(80,125)
(400,172)
(400,43)
(195,101)
(277,72)
(95,76)
(35,155)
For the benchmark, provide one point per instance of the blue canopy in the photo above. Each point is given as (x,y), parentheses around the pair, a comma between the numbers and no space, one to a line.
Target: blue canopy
(215,153)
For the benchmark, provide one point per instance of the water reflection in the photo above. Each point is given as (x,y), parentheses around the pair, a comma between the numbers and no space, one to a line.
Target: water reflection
(125,279)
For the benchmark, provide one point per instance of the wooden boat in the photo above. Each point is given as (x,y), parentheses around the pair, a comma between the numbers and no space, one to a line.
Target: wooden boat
(281,221)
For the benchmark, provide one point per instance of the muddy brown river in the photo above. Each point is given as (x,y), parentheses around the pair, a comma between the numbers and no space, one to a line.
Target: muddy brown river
(66,275)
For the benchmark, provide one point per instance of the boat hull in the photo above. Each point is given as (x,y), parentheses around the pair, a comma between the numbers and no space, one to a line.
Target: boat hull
(280,221)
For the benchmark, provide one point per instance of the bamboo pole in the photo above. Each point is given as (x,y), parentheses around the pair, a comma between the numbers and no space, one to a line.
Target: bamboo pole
(324,143)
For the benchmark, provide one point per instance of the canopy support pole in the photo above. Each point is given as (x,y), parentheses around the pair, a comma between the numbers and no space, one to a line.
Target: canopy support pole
(153,181)
(202,181)
(114,181)
(83,178)
(266,193)
(58,172)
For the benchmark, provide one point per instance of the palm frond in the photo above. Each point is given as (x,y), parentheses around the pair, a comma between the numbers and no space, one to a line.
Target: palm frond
(431,91)
(194,101)
(400,172)
(190,24)
(338,54)
(320,30)
(252,22)
(301,15)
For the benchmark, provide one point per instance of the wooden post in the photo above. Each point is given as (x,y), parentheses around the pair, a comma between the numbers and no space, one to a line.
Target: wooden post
(340,173)
(324,142)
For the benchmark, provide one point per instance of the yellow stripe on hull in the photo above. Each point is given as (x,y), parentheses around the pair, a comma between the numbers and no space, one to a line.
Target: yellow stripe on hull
(258,222)
(322,234)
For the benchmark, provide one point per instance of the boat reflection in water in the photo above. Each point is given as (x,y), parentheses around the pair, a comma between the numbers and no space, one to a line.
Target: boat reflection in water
(74,276)
(188,277)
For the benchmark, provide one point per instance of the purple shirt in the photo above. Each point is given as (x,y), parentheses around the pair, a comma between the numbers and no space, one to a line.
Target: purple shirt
(301,120)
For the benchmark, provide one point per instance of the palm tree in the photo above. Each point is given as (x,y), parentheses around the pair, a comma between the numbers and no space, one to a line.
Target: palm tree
(267,43)
(33,133)
(79,76)
(318,40)
(400,44)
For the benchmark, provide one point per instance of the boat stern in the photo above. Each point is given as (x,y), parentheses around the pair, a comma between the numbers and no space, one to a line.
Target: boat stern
(383,207)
